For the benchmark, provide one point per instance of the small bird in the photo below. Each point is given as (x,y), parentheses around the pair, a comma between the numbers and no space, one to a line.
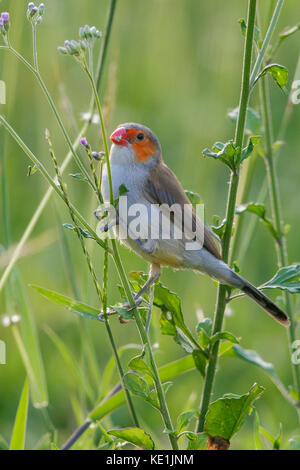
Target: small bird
(136,163)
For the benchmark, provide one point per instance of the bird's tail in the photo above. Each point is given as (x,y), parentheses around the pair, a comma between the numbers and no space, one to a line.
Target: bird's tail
(265,303)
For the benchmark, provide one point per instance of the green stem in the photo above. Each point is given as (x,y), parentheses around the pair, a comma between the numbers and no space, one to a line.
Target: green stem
(239,137)
(274,193)
(142,331)
(266,42)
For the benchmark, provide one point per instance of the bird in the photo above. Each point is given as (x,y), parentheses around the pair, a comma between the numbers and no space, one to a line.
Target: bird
(136,165)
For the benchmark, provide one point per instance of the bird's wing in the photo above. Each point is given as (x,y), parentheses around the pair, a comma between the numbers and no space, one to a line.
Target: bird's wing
(163,187)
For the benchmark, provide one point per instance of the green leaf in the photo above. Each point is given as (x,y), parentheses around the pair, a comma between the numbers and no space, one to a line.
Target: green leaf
(287,278)
(223,152)
(218,227)
(153,396)
(19,431)
(136,384)
(227,414)
(172,321)
(246,152)
(135,436)
(84,232)
(81,309)
(197,441)
(139,364)
(122,191)
(253,120)
(194,198)
(260,211)
(184,419)
(278,72)
(223,336)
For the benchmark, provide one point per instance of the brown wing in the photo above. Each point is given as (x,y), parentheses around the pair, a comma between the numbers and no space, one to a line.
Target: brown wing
(163,187)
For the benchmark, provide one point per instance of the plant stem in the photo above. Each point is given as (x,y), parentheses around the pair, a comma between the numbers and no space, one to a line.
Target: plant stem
(44,201)
(142,331)
(239,137)
(35,56)
(274,193)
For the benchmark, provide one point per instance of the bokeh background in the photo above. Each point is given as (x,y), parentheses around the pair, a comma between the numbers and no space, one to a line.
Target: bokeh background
(174,65)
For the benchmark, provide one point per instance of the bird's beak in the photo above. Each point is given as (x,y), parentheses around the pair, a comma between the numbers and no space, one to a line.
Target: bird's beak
(118,137)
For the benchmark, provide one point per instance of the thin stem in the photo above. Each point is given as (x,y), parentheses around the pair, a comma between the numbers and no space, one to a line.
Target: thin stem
(35,56)
(239,137)
(274,193)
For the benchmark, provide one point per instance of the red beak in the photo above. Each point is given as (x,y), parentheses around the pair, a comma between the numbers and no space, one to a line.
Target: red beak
(119,136)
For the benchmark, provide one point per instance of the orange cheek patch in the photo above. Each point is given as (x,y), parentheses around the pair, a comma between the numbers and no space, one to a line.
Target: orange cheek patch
(143,150)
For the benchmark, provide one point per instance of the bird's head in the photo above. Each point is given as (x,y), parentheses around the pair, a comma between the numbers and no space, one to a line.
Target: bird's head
(135,143)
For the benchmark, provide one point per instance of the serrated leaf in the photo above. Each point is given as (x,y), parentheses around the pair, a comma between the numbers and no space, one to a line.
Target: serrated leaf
(135,436)
(19,431)
(79,308)
(136,384)
(286,278)
(277,71)
(223,152)
(227,414)
(260,211)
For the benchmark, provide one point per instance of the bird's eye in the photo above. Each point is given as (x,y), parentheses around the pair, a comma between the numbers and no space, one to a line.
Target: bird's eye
(140,136)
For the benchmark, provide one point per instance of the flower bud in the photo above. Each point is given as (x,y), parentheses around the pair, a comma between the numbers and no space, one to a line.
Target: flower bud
(85,143)
(5,20)
(41,9)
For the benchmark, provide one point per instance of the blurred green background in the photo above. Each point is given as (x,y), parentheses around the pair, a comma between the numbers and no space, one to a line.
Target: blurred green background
(174,65)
